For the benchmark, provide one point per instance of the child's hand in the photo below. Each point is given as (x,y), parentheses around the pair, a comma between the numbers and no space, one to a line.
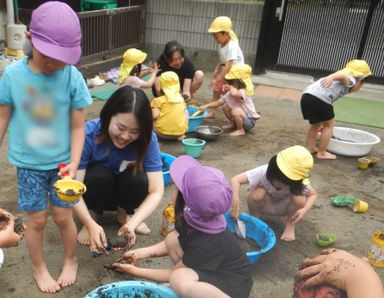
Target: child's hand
(226,88)
(125,268)
(129,257)
(298,215)
(154,67)
(235,209)
(202,108)
(129,233)
(327,81)
(67,170)
(212,84)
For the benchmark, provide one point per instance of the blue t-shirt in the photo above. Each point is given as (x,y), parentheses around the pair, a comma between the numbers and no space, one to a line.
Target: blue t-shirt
(114,158)
(40,124)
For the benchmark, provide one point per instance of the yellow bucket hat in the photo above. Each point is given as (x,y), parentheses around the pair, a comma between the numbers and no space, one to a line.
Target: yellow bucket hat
(356,68)
(241,72)
(131,58)
(223,24)
(295,162)
(169,82)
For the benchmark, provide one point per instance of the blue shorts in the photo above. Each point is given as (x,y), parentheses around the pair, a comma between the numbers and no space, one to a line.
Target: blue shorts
(35,187)
(248,123)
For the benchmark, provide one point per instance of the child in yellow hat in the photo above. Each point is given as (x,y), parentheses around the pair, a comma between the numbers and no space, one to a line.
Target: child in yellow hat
(279,188)
(230,54)
(317,99)
(170,111)
(238,105)
(130,73)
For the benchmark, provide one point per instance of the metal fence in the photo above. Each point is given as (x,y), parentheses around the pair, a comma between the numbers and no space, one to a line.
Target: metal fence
(106,33)
(324,34)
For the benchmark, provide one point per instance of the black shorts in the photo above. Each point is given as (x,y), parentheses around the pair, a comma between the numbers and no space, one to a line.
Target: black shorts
(315,110)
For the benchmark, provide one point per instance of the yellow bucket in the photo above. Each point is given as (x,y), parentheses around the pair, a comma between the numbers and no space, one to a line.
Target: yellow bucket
(360,206)
(168,220)
(363,163)
(376,251)
(69,190)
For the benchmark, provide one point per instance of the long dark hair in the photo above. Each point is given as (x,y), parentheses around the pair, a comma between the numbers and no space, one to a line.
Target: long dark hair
(181,225)
(129,100)
(296,187)
(136,70)
(171,47)
(237,83)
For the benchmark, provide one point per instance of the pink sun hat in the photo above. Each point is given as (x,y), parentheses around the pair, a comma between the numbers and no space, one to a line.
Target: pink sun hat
(207,194)
(56,32)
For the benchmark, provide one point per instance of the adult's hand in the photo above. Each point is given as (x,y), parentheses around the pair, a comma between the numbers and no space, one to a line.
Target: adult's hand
(129,233)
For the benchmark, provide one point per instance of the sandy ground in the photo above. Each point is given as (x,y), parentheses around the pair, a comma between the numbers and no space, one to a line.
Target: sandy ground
(281,126)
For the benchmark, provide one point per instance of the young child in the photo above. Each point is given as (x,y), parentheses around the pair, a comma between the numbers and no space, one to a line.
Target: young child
(229,54)
(317,99)
(43,96)
(170,111)
(130,73)
(238,105)
(208,259)
(279,188)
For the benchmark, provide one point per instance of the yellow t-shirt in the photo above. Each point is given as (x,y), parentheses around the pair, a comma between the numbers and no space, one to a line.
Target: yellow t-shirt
(172,116)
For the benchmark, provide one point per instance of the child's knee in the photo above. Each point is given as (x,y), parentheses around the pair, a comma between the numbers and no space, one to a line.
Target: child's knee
(257,195)
(37,222)
(298,201)
(62,218)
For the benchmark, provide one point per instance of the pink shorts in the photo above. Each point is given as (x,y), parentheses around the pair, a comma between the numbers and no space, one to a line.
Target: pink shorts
(219,86)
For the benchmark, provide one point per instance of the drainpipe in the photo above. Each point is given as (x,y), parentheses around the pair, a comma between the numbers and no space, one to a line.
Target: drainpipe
(10,12)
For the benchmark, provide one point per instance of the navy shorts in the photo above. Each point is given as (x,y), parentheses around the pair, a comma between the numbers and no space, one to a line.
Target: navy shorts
(249,123)
(315,110)
(34,187)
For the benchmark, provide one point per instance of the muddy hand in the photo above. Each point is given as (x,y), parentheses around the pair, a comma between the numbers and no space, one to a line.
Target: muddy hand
(129,258)
(129,233)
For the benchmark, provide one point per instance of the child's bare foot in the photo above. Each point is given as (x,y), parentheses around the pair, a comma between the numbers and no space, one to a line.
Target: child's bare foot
(236,133)
(289,233)
(313,150)
(44,280)
(325,155)
(68,274)
(229,125)
(181,138)
(124,218)
(83,237)
(143,229)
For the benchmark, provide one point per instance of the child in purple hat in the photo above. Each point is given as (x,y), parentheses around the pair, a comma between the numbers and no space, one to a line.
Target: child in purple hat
(208,260)
(43,97)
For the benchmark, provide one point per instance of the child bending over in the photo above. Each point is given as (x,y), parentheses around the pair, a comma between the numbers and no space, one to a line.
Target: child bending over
(317,99)
(170,111)
(230,54)
(43,96)
(279,188)
(130,73)
(238,105)
(208,260)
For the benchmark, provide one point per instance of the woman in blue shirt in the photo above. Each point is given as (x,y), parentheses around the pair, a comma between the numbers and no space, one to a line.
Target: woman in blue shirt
(121,167)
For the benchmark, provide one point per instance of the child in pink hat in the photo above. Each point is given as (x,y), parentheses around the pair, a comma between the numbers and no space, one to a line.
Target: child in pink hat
(43,97)
(208,260)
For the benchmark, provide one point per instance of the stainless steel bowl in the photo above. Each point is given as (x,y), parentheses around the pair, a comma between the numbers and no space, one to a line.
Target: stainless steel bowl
(208,132)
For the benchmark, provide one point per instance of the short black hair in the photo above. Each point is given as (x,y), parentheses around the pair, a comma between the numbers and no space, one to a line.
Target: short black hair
(129,100)
(181,225)
(296,187)
(238,83)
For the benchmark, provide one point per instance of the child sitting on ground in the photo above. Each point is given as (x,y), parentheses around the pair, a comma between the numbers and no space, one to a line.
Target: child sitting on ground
(317,99)
(170,111)
(238,105)
(279,188)
(130,73)
(208,259)
(230,54)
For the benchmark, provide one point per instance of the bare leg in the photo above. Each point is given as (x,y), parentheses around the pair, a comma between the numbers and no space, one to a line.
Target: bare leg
(256,199)
(229,123)
(185,282)
(238,116)
(212,113)
(296,203)
(122,218)
(324,140)
(83,236)
(36,222)
(311,137)
(197,81)
(64,220)
(174,249)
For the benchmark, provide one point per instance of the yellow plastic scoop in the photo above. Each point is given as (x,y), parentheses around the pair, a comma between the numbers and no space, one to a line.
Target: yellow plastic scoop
(196,113)
(67,189)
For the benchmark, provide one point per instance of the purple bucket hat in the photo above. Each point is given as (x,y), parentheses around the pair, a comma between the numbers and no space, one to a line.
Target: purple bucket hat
(56,32)
(206,192)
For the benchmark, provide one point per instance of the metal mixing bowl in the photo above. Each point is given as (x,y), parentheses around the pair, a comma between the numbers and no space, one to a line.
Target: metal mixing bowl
(208,132)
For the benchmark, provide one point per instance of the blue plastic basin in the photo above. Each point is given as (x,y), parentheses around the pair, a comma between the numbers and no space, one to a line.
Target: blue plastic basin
(256,230)
(195,121)
(132,288)
(166,159)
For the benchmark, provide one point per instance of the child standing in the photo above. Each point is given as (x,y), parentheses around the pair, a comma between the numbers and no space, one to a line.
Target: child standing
(317,99)
(279,188)
(130,73)
(229,54)
(170,111)
(208,260)
(43,96)
(238,105)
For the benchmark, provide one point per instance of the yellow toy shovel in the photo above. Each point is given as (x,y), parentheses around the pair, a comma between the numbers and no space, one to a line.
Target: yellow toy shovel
(67,189)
